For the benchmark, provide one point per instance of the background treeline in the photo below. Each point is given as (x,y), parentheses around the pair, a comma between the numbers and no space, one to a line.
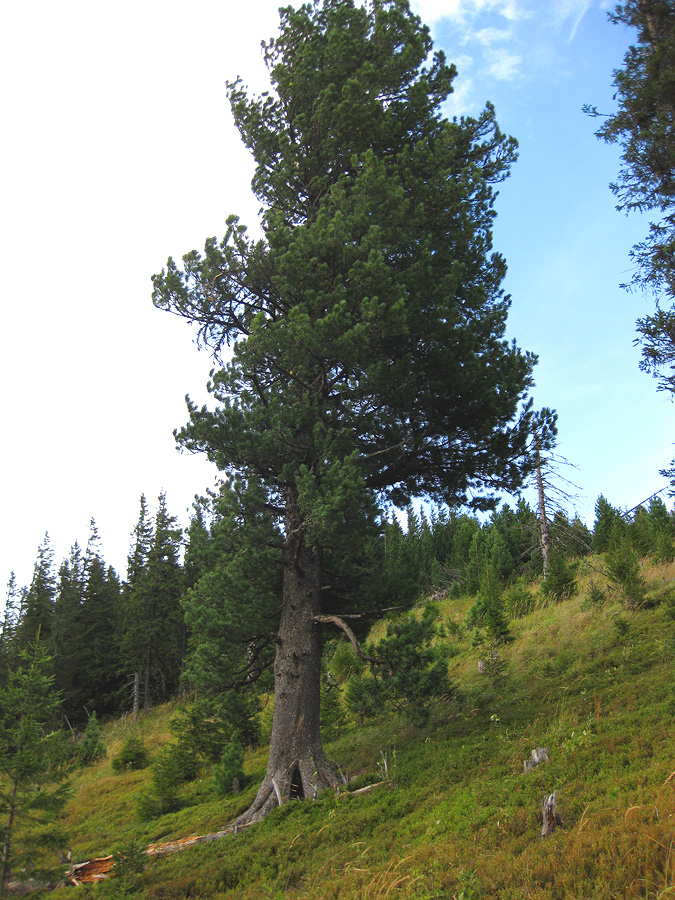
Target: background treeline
(197,609)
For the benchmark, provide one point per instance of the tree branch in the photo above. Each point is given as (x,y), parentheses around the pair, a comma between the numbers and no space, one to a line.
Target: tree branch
(336,620)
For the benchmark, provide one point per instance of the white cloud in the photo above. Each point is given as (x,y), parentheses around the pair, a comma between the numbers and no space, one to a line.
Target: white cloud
(490,36)
(504,66)
(460,10)
(462,101)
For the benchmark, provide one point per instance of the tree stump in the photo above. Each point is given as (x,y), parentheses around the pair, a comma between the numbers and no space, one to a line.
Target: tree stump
(551,817)
(539,755)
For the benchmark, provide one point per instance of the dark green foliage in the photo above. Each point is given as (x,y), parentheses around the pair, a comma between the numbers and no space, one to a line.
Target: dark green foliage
(171,768)
(154,637)
(623,564)
(572,538)
(411,671)
(32,790)
(228,775)
(413,666)
(86,633)
(9,636)
(38,604)
(495,618)
(204,726)
(365,329)
(518,600)
(560,581)
(607,518)
(233,607)
(363,696)
(91,747)
(133,755)
(644,128)
(130,861)
(596,596)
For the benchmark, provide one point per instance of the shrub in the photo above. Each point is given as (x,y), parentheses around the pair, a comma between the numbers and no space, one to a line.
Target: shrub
(205,725)
(133,755)
(228,775)
(518,600)
(560,582)
(495,618)
(624,568)
(172,767)
(91,746)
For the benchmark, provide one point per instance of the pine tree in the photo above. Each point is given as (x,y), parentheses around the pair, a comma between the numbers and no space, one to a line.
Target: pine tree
(369,361)
(31,791)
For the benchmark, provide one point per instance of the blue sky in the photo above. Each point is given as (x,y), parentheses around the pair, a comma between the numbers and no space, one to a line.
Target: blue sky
(118,150)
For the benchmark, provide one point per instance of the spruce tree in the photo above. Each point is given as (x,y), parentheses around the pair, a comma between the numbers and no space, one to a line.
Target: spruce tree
(366,327)
(153,644)
(31,790)
(38,608)
(68,634)
(14,602)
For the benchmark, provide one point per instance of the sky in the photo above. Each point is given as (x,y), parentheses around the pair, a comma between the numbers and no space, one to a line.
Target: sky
(118,150)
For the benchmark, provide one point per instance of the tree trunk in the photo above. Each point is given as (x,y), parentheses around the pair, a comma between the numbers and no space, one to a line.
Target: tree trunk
(146,688)
(297,767)
(137,693)
(6,847)
(545,538)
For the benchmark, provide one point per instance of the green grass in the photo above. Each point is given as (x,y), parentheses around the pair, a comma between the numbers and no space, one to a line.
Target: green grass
(594,682)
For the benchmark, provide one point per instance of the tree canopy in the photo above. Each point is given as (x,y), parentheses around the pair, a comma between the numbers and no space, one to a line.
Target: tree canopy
(644,128)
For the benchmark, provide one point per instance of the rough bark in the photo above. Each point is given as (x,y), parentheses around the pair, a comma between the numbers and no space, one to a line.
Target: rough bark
(298,767)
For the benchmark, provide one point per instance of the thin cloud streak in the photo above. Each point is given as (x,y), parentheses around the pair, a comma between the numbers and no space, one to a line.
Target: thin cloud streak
(571,9)
(461,10)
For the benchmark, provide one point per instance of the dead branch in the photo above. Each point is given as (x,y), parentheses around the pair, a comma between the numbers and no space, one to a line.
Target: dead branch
(336,620)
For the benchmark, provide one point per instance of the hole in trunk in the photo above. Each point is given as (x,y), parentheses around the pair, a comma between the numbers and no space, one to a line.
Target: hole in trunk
(297,792)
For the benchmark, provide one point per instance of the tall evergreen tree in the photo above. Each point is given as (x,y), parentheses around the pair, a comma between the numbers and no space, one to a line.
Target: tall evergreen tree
(607,520)
(68,633)
(31,792)
(14,602)
(141,539)
(153,644)
(100,613)
(369,360)
(38,612)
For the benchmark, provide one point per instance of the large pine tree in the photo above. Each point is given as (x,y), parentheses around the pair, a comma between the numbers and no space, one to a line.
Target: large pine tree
(368,359)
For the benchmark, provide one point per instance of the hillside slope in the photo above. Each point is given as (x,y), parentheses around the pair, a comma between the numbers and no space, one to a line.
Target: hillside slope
(588,678)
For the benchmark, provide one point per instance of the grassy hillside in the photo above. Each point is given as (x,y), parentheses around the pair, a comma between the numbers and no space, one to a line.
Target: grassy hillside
(587,677)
